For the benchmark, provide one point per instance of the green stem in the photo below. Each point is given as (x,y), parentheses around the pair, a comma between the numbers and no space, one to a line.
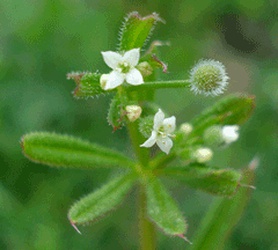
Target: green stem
(136,140)
(146,228)
(161,84)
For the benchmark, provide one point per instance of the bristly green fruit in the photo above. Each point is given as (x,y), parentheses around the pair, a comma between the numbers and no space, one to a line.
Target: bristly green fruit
(88,84)
(66,151)
(136,30)
(146,126)
(117,114)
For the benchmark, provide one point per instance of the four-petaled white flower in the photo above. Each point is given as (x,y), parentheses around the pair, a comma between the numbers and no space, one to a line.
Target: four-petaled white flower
(230,133)
(123,69)
(161,133)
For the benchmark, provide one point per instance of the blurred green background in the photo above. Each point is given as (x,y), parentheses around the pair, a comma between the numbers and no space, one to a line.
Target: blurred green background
(41,41)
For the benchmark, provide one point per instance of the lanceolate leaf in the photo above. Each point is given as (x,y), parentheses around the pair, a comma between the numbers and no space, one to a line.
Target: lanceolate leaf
(136,30)
(66,151)
(222,182)
(163,210)
(223,216)
(98,203)
(234,109)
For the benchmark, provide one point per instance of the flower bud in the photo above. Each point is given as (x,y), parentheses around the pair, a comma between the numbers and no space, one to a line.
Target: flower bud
(203,155)
(133,112)
(230,133)
(186,128)
(103,80)
(145,68)
(208,77)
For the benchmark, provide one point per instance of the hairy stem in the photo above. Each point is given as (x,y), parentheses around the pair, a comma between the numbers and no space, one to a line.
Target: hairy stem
(146,228)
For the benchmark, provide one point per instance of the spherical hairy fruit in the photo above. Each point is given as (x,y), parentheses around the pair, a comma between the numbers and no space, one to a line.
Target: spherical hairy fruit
(208,77)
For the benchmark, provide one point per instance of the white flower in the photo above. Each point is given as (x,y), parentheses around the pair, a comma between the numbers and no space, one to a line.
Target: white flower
(161,133)
(203,155)
(230,133)
(123,69)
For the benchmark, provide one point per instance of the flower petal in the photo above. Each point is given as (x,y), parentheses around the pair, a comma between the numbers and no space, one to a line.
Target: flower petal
(165,144)
(132,57)
(151,141)
(169,124)
(112,58)
(158,119)
(134,77)
(114,80)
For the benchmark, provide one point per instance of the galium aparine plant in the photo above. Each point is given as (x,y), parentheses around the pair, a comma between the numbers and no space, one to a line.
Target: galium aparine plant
(163,146)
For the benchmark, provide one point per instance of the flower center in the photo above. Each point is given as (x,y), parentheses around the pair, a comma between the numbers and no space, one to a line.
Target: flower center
(124,67)
(162,131)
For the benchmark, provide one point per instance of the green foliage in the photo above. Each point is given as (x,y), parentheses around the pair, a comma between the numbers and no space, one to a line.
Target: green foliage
(163,210)
(66,151)
(136,30)
(223,182)
(8,203)
(224,215)
(103,200)
(41,40)
(233,109)
(155,201)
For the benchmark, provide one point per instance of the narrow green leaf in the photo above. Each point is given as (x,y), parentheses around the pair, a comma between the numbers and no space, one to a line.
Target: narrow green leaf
(222,182)
(223,215)
(103,200)
(66,151)
(136,30)
(231,110)
(163,210)
(88,84)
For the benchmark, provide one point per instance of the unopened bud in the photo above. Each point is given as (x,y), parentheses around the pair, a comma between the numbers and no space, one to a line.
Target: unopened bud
(186,128)
(145,68)
(203,155)
(133,112)
(103,80)
(208,77)
(230,133)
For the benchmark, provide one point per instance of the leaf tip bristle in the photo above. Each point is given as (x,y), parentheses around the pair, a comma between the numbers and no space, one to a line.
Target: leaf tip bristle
(253,165)
(184,238)
(247,186)
(75,227)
